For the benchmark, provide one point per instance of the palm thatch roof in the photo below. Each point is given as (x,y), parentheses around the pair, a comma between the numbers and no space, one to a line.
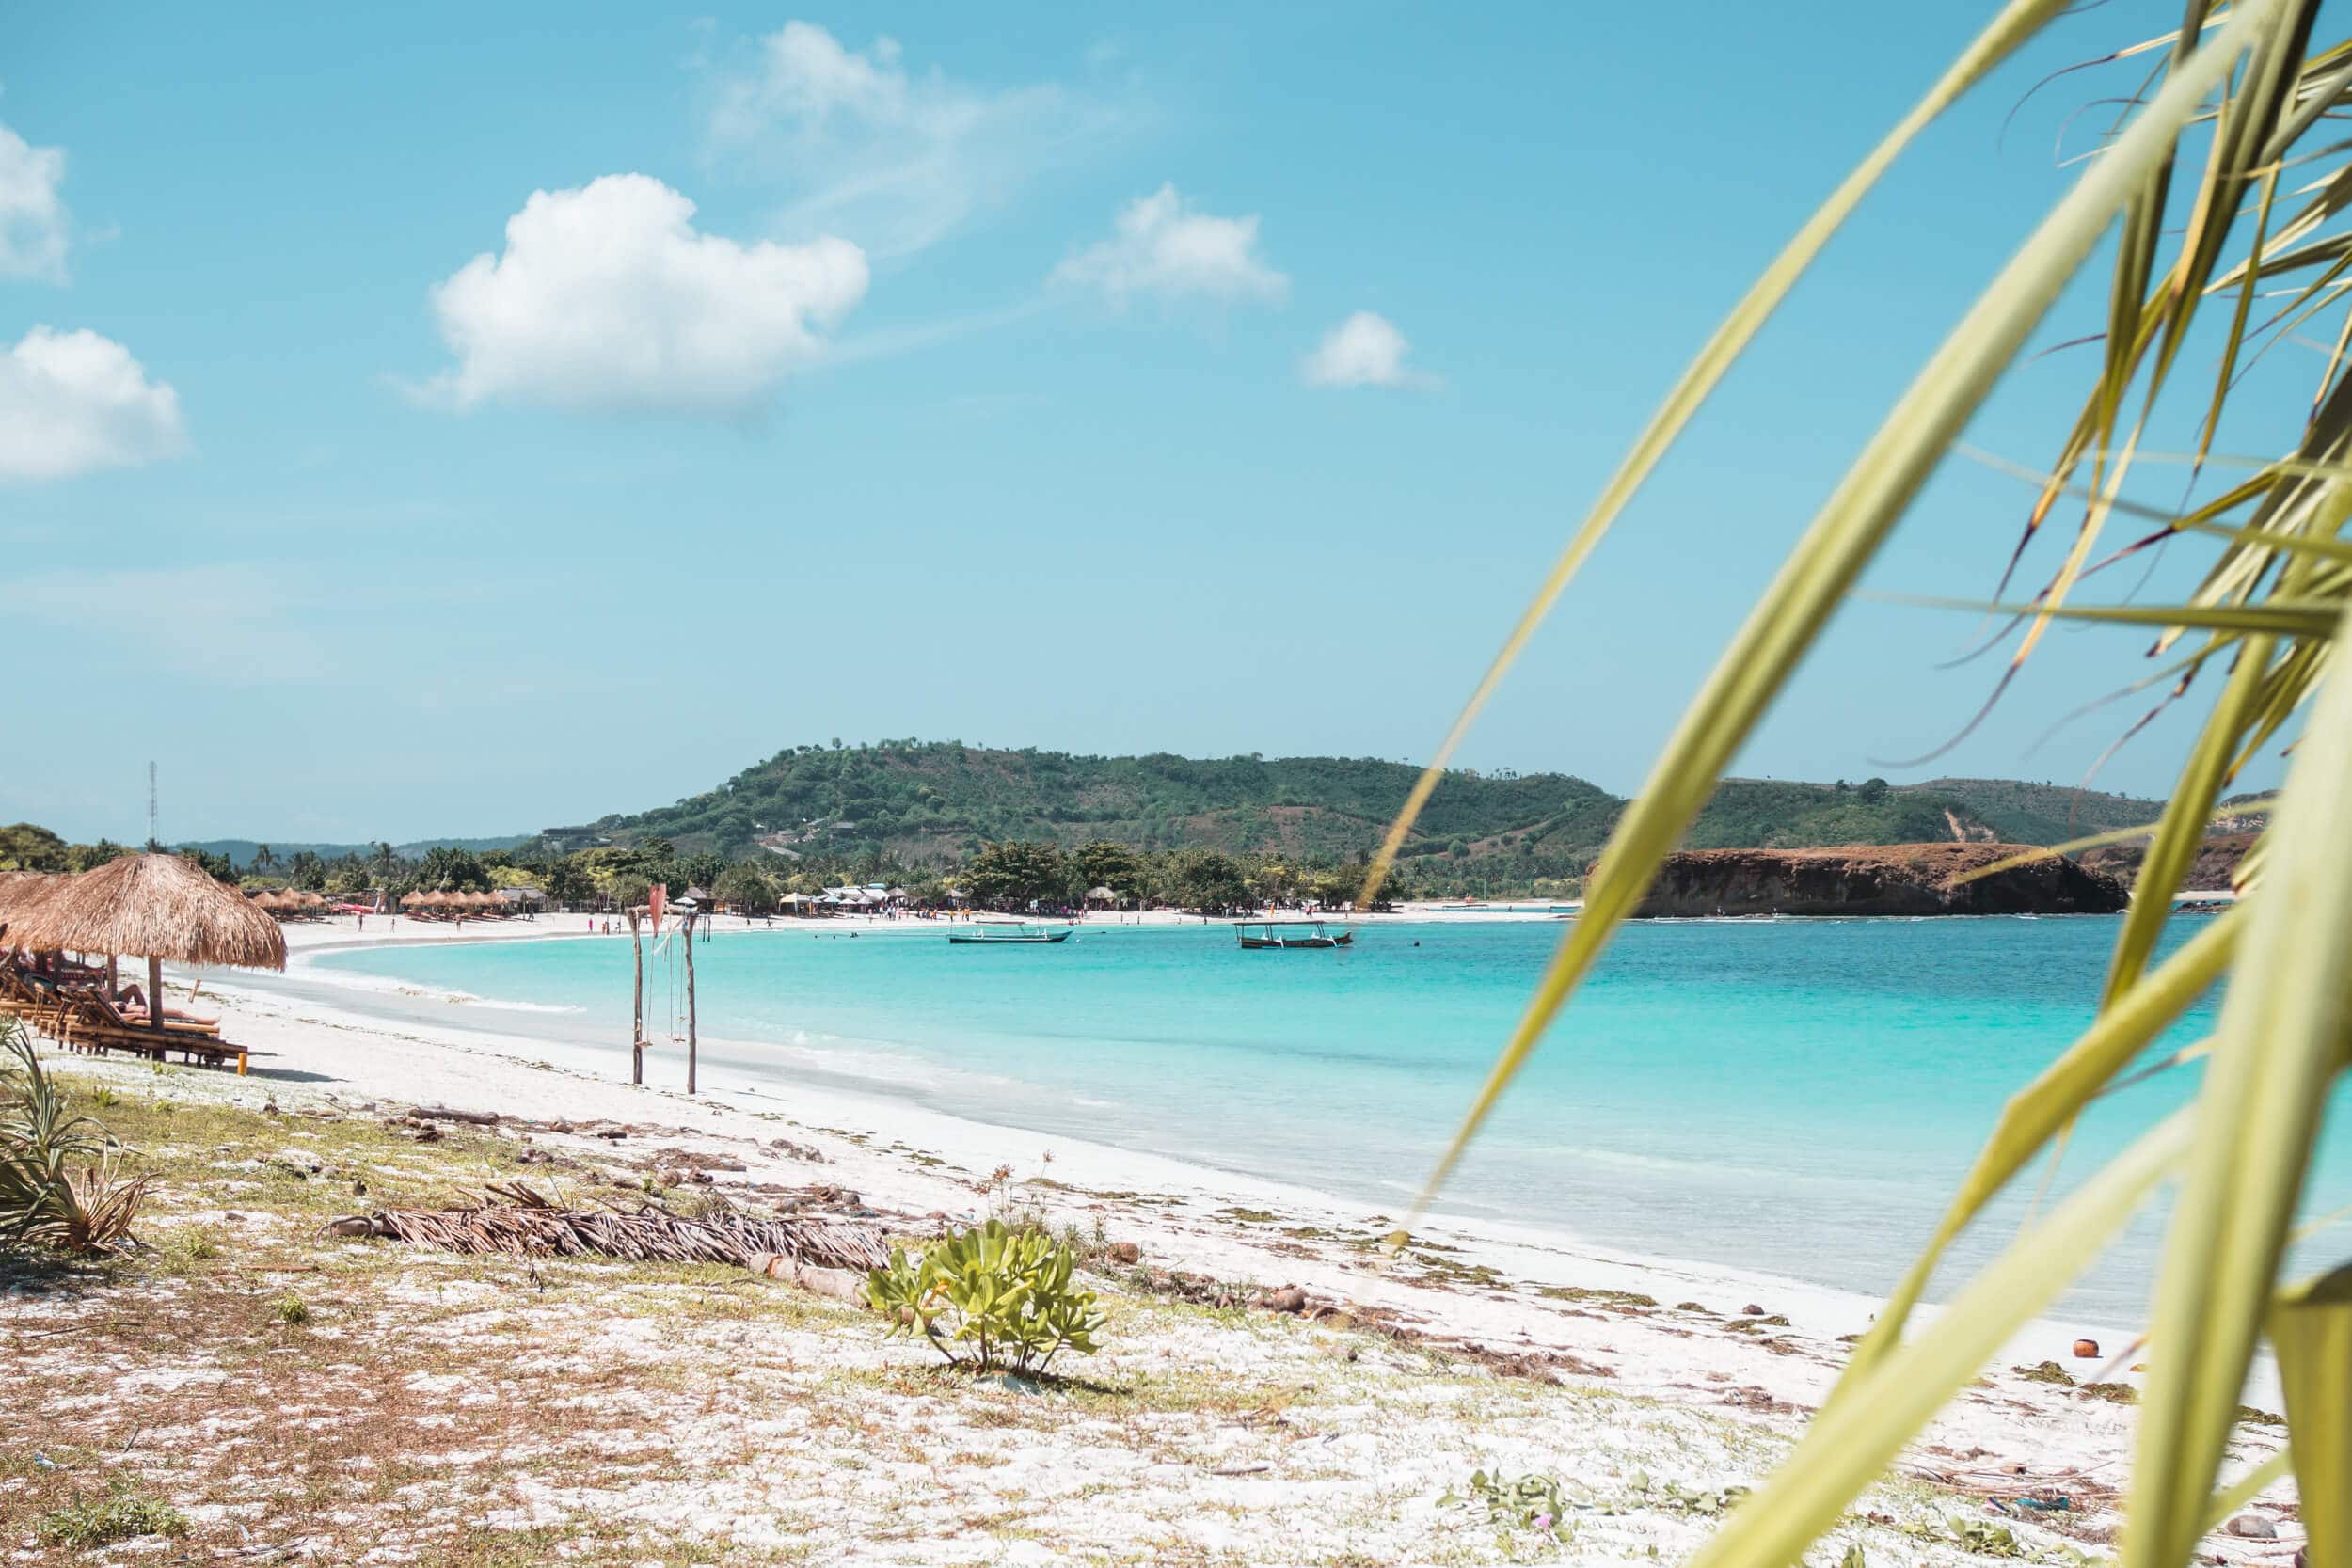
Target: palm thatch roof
(412,899)
(155,906)
(20,893)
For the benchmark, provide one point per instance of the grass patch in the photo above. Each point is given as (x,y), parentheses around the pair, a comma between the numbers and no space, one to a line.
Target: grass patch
(1597,1298)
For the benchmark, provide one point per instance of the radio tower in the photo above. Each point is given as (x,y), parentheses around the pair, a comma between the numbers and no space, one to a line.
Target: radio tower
(150,804)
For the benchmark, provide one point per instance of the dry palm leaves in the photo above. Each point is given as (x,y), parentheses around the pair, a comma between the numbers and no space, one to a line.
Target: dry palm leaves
(513,1219)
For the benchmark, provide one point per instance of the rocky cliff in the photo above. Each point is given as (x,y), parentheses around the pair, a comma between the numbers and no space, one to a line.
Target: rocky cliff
(1896,879)
(2215,868)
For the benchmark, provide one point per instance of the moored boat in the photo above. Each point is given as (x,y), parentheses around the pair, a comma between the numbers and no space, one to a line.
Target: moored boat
(993,935)
(1258,935)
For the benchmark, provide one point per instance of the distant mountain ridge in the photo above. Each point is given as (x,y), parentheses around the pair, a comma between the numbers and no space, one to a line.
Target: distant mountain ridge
(241,851)
(936,802)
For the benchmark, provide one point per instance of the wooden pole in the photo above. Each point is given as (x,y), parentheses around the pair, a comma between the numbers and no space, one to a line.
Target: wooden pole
(637,1007)
(690,1003)
(155,994)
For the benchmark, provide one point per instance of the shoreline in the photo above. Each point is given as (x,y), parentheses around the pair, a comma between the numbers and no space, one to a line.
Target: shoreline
(1652,1326)
(361,1002)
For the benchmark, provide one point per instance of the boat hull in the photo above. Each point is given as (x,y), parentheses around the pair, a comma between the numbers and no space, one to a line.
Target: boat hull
(1008,942)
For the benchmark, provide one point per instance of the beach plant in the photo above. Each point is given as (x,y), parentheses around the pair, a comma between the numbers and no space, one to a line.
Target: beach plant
(44,1201)
(1533,1501)
(989,1297)
(2217,182)
(118,1514)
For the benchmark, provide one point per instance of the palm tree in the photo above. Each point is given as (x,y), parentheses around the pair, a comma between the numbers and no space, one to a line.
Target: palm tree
(264,858)
(2248,84)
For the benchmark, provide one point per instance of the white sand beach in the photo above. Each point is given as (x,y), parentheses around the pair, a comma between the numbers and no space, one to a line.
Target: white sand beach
(1760,1351)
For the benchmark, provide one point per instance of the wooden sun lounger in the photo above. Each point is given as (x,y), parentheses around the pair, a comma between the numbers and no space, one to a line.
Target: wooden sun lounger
(81,1018)
(82,1035)
(105,1010)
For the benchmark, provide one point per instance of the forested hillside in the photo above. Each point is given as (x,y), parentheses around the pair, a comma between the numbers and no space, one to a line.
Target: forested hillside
(934,804)
(2021,813)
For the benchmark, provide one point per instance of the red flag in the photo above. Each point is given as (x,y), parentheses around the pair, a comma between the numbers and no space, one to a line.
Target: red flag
(659,898)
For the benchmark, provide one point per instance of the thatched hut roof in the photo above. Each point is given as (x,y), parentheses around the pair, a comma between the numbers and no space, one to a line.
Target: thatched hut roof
(308,899)
(20,894)
(156,907)
(413,900)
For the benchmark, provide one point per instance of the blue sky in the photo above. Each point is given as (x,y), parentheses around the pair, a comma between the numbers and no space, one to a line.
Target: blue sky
(461,421)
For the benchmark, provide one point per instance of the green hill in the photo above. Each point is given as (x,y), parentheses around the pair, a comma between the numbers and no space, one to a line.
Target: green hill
(935,803)
(2022,813)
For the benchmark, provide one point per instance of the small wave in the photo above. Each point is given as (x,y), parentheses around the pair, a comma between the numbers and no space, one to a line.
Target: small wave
(386,984)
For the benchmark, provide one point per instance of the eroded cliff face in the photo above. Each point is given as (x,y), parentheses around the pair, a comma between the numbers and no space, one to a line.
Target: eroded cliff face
(1895,880)
(2215,868)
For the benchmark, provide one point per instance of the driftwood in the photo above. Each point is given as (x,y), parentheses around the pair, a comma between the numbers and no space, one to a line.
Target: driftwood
(520,1221)
(442,1113)
(841,1284)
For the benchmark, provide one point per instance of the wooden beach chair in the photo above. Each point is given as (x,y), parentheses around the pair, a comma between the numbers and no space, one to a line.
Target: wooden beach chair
(92,1021)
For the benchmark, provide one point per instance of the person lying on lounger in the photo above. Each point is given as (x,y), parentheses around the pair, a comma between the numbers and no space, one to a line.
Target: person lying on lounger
(131,1002)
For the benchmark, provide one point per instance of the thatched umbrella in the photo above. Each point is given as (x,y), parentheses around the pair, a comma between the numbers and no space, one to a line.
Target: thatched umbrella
(158,907)
(413,900)
(20,894)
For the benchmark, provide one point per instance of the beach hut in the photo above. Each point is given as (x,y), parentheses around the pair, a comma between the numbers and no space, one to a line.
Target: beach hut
(522,900)
(20,893)
(1101,898)
(155,907)
(414,900)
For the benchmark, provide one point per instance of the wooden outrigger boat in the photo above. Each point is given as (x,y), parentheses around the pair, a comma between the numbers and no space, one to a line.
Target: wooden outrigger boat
(993,935)
(1259,934)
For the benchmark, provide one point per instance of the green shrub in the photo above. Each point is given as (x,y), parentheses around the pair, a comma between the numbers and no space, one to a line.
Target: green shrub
(120,1514)
(1005,1295)
(43,1201)
(291,1309)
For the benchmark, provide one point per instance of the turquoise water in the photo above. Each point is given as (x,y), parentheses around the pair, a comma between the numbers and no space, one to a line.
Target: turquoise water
(1793,1096)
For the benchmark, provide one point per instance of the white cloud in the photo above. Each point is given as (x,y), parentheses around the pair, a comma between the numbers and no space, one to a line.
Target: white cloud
(1365,350)
(32,215)
(1159,246)
(607,297)
(73,401)
(894,160)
